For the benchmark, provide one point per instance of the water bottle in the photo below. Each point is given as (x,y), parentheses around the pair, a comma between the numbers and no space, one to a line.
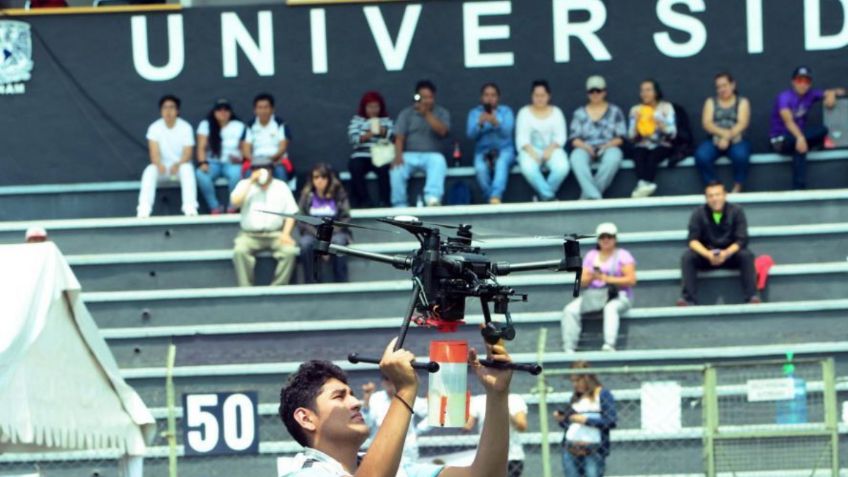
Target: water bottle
(457,154)
(793,411)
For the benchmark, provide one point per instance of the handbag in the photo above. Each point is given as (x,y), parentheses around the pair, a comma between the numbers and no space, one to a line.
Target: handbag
(382,153)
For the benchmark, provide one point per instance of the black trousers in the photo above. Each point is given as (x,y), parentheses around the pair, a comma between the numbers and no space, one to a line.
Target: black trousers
(742,260)
(307,255)
(815,137)
(646,161)
(359,167)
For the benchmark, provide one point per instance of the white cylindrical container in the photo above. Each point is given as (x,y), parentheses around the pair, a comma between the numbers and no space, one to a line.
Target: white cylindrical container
(448,397)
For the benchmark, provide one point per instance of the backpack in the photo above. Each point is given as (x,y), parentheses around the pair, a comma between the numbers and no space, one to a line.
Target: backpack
(683,145)
(460,194)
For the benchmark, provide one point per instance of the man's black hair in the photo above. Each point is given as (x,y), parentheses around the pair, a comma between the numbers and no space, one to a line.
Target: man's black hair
(540,83)
(301,389)
(169,97)
(264,97)
(713,184)
(425,84)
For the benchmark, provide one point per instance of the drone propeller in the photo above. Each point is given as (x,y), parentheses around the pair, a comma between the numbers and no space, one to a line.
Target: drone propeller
(316,221)
(565,236)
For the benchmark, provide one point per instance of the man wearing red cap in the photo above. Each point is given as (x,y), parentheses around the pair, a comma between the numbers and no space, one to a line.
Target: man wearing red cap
(789,132)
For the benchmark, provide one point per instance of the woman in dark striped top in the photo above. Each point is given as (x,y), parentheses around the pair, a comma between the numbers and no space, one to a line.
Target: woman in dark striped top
(369,126)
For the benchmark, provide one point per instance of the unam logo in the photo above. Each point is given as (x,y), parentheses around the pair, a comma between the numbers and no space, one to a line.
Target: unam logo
(16,60)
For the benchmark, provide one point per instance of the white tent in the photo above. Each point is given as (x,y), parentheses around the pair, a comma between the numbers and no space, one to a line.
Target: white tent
(60,387)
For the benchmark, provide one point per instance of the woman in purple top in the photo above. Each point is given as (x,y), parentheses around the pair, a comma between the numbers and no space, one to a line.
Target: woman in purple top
(789,132)
(604,267)
(324,196)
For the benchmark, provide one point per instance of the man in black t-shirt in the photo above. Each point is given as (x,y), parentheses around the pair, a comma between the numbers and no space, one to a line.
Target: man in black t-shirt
(718,238)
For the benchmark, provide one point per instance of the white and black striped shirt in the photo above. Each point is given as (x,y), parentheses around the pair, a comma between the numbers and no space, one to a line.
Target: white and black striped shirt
(359,126)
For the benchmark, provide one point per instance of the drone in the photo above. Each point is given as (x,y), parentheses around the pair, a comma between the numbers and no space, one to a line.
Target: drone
(447,270)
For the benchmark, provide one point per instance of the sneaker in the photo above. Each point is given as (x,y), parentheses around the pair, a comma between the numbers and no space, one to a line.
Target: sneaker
(644,189)
(755,300)
(495,200)
(607,347)
(683,302)
(217,211)
(433,202)
(568,350)
(190,212)
(232,210)
(142,213)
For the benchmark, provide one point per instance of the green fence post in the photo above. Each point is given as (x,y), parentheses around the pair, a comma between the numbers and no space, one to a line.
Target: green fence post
(710,419)
(831,418)
(542,386)
(171,433)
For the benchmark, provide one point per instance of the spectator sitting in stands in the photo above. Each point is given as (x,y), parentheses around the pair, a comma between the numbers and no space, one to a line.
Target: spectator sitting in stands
(726,118)
(35,234)
(609,274)
(219,152)
(260,231)
(587,421)
(540,136)
(789,132)
(170,140)
(370,125)
(652,127)
(419,132)
(267,139)
(718,238)
(597,133)
(517,423)
(324,196)
(490,126)
(375,406)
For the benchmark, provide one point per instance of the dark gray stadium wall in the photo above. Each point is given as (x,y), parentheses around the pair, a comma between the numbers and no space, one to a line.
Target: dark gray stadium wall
(57,131)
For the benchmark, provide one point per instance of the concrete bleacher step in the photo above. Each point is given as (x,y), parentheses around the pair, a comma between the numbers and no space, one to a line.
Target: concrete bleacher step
(769,172)
(643,328)
(158,234)
(653,250)
(549,291)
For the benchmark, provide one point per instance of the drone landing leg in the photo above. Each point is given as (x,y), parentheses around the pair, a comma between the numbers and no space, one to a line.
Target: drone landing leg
(407,319)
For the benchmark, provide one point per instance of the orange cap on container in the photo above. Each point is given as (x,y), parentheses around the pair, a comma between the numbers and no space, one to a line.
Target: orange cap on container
(450,351)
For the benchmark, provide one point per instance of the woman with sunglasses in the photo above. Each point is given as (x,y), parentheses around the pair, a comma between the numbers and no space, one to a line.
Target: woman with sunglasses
(609,275)
(323,196)
(726,118)
(587,421)
(597,131)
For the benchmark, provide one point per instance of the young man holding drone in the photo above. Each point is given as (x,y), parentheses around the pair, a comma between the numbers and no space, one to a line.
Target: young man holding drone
(321,413)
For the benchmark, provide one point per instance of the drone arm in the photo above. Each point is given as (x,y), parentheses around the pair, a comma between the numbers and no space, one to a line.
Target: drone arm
(401,262)
(505,268)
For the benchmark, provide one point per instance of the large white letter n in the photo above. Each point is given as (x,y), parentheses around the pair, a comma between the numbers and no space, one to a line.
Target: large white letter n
(586,32)
(235,35)
(141,55)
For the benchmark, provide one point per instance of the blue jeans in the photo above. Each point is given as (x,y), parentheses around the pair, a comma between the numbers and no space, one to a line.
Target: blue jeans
(815,137)
(206,180)
(708,153)
(494,185)
(592,465)
(557,166)
(435,167)
(593,187)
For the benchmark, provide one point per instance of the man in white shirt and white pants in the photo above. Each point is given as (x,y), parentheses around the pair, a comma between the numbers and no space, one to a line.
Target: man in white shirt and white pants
(170,141)
(517,423)
(261,231)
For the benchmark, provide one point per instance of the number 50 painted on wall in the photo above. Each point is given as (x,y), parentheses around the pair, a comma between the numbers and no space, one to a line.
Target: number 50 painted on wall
(221,423)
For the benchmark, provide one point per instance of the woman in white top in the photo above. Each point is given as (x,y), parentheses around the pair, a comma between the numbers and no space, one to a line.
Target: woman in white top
(219,141)
(587,421)
(540,135)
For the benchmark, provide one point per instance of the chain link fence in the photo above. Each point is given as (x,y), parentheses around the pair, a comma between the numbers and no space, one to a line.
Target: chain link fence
(671,421)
